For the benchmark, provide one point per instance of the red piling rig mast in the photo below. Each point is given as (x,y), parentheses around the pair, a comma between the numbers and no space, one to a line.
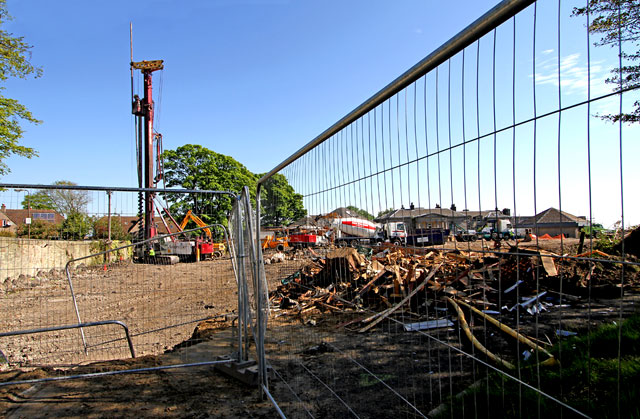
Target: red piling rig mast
(143,109)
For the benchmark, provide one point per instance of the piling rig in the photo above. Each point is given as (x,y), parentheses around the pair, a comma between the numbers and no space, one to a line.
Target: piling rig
(155,251)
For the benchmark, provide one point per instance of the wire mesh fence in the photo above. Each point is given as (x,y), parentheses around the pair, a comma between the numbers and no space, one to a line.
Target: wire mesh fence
(80,285)
(455,258)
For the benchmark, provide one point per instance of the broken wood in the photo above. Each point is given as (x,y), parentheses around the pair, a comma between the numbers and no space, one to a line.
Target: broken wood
(522,338)
(381,316)
(474,341)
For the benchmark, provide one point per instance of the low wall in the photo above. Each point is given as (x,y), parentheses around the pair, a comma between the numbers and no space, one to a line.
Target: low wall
(31,257)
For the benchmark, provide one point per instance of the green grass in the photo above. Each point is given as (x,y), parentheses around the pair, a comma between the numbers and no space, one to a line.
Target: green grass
(588,380)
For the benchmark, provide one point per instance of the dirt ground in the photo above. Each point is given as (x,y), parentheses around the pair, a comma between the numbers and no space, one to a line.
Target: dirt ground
(294,345)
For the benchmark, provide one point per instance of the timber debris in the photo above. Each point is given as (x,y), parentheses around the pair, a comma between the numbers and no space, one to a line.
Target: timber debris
(431,288)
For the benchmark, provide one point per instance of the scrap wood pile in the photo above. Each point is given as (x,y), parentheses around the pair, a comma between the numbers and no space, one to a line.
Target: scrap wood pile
(423,285)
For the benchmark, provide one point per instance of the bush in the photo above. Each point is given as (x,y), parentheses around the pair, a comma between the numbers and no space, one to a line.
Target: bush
(39,230)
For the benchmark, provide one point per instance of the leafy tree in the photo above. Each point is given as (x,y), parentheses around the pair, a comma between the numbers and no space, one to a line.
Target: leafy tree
(362,213)
(72,204)
(385,212)
(66,201)
(101,228)
(38,200)
(618,20)
(280,204)
(196,167)
(14,62)
(76,226)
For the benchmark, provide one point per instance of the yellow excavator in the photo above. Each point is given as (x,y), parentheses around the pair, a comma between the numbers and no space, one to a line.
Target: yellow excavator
(206,249)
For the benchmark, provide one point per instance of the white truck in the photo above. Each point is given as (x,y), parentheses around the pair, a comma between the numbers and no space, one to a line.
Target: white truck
(497,229)
(352,231)
(396,232)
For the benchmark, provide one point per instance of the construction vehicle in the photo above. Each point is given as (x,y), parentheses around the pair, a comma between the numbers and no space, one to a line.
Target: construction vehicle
(149,145)
(594,230)
(395,232)
(352,231)
(498,229)
(273,241)
(204,249)
(466,235)
(300,240)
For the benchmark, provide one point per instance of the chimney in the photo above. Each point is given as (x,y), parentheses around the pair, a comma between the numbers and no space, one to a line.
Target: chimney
(3,208)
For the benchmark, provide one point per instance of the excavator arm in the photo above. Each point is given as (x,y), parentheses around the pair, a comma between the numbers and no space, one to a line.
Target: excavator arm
(191,216)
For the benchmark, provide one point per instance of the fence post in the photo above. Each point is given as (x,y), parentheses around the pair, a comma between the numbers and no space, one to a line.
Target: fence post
(241,278)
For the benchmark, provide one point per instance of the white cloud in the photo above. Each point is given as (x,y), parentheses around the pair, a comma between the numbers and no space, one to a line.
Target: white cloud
(574,75)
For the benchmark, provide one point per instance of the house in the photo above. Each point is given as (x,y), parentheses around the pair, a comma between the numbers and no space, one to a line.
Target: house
(19,217)
(553,222)
(133,224)
(6,225)
(402,215)
(445,218)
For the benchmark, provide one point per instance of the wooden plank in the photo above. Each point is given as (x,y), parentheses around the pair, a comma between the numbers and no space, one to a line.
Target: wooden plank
(377,318)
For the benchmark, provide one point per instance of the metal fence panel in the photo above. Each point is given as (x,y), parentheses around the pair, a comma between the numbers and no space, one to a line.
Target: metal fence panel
(74,287)
(496,137)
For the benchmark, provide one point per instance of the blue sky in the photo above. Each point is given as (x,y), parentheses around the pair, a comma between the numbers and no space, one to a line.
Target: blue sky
(257,79)
(252,79)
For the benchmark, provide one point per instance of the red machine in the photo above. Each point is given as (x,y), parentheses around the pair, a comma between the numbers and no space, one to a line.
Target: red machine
(303,240)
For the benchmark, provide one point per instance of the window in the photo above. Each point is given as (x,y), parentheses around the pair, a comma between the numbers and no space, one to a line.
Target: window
(46,216)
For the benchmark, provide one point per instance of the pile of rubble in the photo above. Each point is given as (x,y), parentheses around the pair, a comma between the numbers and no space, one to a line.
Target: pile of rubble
(515,282)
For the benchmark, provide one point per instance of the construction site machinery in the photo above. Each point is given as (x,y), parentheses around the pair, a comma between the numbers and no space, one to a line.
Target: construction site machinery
(395,232)
(352,231)
(204,249)
(272,241)
(152,252)
(466,236)
(302,240)
(498,229)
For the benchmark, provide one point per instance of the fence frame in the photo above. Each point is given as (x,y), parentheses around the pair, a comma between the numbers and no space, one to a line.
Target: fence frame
(481,26)
(499,14)
(235,259)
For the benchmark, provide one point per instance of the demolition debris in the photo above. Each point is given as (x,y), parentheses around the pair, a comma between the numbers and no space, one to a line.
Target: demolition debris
(433,287)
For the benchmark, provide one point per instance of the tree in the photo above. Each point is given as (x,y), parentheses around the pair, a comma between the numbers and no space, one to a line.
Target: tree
(196,167)
(385,212)
(280,203)
(65,201)
(362,213)
(14,62)
(38,200)
(76,226)
(101,228)
(72,204)
(618,20)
